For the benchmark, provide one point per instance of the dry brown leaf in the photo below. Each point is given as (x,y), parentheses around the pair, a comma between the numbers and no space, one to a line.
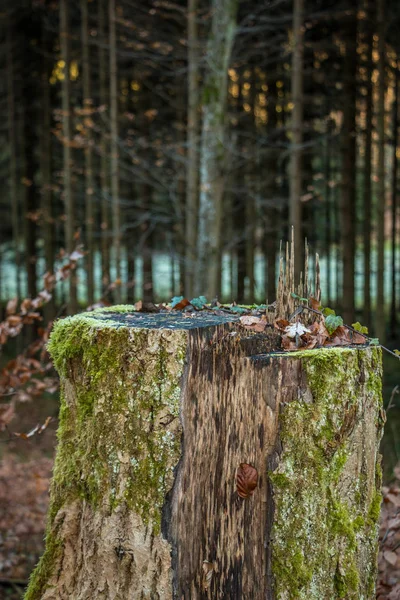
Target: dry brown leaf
(393,498)
(281,324)
(182,304)
(314,303)
(390,557)
(288,343)
(246,480)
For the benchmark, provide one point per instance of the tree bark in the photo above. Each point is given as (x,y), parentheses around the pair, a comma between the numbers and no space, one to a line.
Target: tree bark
(192,177)
(12,141)
(104,165)
(116,209)
(367,192)
(381,199)
(348,187)
(271,227)
(296,167)
(45,168)
(69,204)
(89,179)
(393,307)
(158,414)
(212,153)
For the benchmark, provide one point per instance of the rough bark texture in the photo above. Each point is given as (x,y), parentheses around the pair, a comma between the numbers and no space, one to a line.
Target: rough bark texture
(158,412)
(213,142)
(296,166)
(348,187)
(69,204)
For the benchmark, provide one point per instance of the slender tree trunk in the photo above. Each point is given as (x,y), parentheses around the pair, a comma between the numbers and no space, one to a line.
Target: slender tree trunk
(271,226)
(45,168)
(13,182)
(212,159)
(116,209)
(381,200)
(29,139)
(328,223)
(367,192)
(348,188)
(393,311)
(250,224)
(69,204)
(192,176)
(296,168)
(89,180)
(147,245)
(104,164)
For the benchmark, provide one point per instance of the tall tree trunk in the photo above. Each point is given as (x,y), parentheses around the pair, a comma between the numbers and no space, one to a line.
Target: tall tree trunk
(12,141)
(45,167)
(192,175)
(328,221)
(367,191)
(212,157)
(147,244)
(30,166)
(393,311)
(69,204)
(104,164)
(381,200)
(271,227)
(116,209)
(348,188)
(89,180)
(250,181)
(296,168)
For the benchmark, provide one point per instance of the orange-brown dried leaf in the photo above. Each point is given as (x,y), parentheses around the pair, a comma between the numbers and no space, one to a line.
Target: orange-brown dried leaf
(246,480)
(182,304)
(288,343)
(314,303)
(281,324)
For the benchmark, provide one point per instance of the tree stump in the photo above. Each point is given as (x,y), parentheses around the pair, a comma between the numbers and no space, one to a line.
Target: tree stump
(151,497)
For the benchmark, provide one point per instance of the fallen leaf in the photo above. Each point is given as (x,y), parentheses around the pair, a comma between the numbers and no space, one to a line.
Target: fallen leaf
(181,304)
(281,324)
(332,322)
(314,303)
(296,329)
(199,303)
(248,320)
(390,557)
(288,343)
(246,480)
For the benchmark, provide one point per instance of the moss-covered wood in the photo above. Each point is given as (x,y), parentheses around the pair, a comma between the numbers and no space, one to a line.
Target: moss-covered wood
(157,413)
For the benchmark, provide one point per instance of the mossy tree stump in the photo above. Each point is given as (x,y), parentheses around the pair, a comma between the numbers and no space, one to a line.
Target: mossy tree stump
(157,414)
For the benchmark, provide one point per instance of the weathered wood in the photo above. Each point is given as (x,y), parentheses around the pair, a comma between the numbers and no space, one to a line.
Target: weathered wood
(158,412)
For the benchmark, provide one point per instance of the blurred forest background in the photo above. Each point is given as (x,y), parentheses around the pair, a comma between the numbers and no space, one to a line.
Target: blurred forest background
(178,142)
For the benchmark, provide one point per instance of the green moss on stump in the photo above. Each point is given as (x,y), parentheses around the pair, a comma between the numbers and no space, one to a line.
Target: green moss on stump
(120,388)
(319,529)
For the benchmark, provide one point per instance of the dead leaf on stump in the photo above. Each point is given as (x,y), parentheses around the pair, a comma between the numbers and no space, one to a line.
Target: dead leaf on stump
(246,480)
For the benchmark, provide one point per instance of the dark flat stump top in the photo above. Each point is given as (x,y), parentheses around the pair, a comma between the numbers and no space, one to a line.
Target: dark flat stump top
(164,320)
